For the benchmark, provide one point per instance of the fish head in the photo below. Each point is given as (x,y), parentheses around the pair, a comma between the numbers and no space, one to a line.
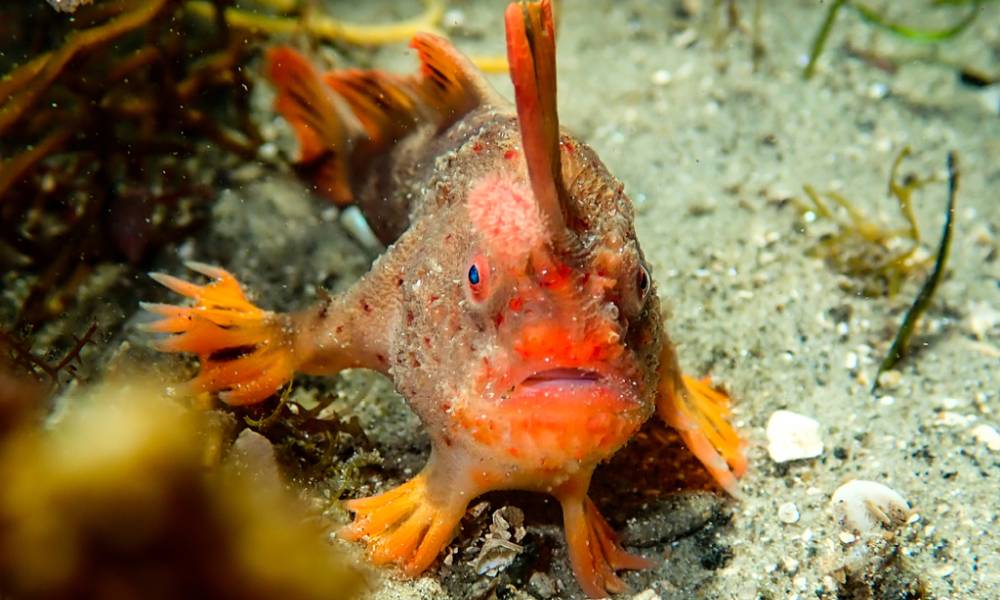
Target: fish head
(565,314)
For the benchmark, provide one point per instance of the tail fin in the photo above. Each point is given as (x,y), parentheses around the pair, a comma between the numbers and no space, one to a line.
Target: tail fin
(344,119)
(245,352)
(531,52)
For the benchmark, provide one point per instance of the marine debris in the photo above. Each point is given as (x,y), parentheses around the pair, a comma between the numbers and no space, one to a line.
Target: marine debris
(877,258)
(879,20)
(923,299)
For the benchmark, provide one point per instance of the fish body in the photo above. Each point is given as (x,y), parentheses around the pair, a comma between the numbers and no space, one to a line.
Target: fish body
(513,308)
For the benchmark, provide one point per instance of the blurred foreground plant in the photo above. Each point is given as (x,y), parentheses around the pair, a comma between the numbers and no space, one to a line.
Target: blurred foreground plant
(116,500)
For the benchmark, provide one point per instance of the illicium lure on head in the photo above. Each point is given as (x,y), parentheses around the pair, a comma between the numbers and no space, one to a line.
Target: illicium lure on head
(513,309)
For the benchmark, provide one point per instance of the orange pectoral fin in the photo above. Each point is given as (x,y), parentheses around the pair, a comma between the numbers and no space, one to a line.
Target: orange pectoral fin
(700,413)
(245,352)
(408,525)
(531,52)
(310,107)
(593,547)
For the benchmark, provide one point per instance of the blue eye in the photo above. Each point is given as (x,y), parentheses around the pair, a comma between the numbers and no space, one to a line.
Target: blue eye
(474,275)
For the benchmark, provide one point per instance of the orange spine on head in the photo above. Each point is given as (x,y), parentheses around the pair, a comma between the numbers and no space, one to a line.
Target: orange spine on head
(531,53)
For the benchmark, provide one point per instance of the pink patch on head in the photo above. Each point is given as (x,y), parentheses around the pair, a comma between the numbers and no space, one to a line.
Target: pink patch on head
(505,213)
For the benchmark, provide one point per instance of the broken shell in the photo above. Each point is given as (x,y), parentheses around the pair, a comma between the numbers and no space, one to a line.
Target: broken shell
(987,436)
(788,513)
(791,436)
(862,505)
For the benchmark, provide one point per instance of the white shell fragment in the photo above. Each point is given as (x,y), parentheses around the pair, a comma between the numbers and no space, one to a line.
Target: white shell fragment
(791,436)
(862,505)
(788,513)
(987,436)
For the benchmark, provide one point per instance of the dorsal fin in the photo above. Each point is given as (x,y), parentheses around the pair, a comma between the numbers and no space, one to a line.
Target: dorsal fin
(311,109)
(448,82)
(531,52)
(344,119)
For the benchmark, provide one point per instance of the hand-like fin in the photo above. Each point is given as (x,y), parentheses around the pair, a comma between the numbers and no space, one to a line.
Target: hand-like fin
(531,52)
(246,353)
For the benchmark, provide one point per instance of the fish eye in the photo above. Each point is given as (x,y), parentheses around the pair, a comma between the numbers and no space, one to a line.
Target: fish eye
(642,282)
(477,277)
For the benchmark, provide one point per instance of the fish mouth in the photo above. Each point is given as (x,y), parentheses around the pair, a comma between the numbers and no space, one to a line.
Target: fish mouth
(574,386)
(562,375)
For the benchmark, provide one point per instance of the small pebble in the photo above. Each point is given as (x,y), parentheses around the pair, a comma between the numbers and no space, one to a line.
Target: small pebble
(987,436)
(542,584)
(453,19)
(942,570)
(791,436)
(646,595)
(788,513)
(878,90)
(846,537)
(981,319)
(661,77)
(353,221)
(862,505)
(890,379)
(790,565)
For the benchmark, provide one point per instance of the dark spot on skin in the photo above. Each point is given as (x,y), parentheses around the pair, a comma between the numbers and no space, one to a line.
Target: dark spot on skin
(231,353)
(367,307)
(409,317)
(477,147)
(446,440)
(381,358)
(399,282)
(498,320)
(434,298)
(427,341)
(339,329)
(510,154)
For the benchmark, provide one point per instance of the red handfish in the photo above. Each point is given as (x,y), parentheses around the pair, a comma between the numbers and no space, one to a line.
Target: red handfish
(513,308)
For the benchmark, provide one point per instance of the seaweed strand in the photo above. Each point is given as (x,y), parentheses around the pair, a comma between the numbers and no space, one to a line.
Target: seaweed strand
(899,344)
(46,72)
(914,34)
(819,42)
